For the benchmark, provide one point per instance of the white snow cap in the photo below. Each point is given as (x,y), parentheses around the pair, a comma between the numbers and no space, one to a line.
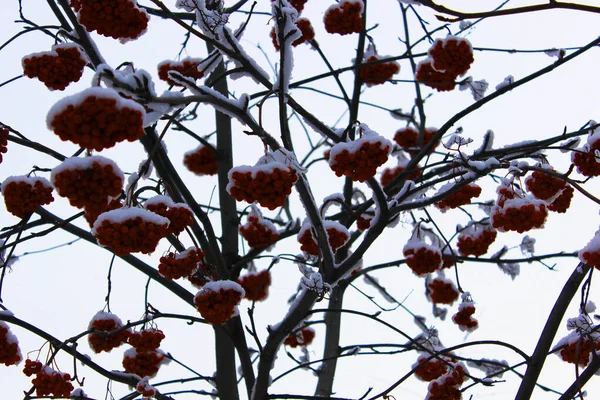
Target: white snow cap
(83,163)
(32,180)
(121,215)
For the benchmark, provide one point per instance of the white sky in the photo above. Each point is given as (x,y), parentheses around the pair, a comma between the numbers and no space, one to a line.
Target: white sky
(62,289)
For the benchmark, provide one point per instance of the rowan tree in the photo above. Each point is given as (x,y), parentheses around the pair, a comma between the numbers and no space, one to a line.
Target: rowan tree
(296,199)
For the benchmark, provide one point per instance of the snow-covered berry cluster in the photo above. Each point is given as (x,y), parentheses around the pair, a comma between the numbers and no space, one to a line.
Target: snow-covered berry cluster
(378,74)
(175,266)
(408,139)
(476,239)
(130,230)
(3,142)
(146,340)
(10,354)
(143,363)
(447,387)
(303,337)
(464,317)
(521,214)
(217,301)
(459,198)
(441,81)
(179,215)
(448,59)
(118,19)
(305,28)
(110,333)
(187,67)
(256,285)
(585,158)
(23,195)
(562,203)
(429,370)
(56,68)
(258,232)
(88,182)
(267,183)
(442,291)
(344,17)
(337,235)
(144,387)
(578,350)
(92,215)
(363,222)
(360,158)
(453,55)
(590,254)
(48,382)
(421,257)
(97,118)
(544,186)
(201,161)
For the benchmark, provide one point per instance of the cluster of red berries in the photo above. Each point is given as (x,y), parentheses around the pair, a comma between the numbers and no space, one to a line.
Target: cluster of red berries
(56,68)
(175,266)
(130,230)
(217,301)
(118,19)
(146,340)
(3,141)
(48,382)
(544,186)
(447,387)
(429,370)
(519,215)
(453,55)
(422,258)
(408,139)
(378,74)
(88,182)
(303,337)
(256,285)
(585,158)
(23,195)
(110,333)
(179,215)
(459,198)
(464,317)
(268,184)
(201,161)
(476,239)
(10,354)
(363,222)
(441,81)
(442,291)
(579,351)
(305,28)
(562,203)
(337,235)
(344,17)
(91,216)
(590,254)
(448,59)
(32,367)
(143,363)
(258,232)
(147,390)
(359,159)
(97,119)
(187,67)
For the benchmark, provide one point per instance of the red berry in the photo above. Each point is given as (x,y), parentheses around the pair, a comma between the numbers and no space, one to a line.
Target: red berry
(201,161)
(110,335)
(344,18)
(23,195)
(217,301)
(303,337)
(256,285)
